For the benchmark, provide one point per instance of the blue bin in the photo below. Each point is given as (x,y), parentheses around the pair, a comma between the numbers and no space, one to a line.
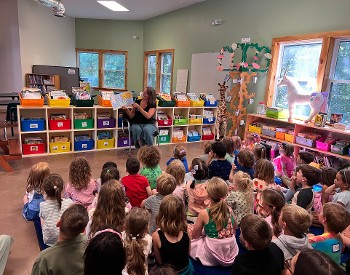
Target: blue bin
(32,125)
(209,120)
(84,145)
(207,103)
(193,138)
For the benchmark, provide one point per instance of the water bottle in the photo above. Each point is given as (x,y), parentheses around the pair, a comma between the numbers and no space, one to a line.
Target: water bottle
(261,109)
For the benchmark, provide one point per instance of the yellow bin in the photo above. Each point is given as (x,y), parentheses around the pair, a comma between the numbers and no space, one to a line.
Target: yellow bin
(59,147)
(105,143)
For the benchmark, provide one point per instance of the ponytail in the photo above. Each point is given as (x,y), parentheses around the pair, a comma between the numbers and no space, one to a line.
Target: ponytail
(277,230)
(53,186)
(58,196)
(220,213)
(134,255)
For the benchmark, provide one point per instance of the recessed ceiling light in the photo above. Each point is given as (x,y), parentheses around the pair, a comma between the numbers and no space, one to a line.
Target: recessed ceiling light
(112,5)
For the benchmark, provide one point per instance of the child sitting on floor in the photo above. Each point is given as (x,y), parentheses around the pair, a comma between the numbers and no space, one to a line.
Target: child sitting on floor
(230,148)
(241,198)
(220,166)
(263,256)
(245,162)
(177,169)
(136,186)
(334,218)
(106,165)
(218,246)
(81,187)
(179,153)
(149,157)
(295,222)
(207,149)
(285,161)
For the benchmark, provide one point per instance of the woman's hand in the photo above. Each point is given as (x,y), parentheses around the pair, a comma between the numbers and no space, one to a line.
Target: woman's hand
(136,106)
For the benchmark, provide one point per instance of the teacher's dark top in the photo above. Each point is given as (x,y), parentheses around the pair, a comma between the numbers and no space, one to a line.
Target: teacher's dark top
(139,118)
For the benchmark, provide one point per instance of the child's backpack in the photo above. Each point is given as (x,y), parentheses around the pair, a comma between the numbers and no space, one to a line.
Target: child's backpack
(31,209)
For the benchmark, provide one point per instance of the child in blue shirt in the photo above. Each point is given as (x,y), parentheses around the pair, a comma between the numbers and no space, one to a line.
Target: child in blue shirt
(245,162)
(179,153)
(219,167)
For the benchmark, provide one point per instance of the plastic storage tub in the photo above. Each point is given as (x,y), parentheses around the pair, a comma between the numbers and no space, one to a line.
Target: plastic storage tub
(59,124)
(84,145)
(208,137)
(207,103)
(164,139)
(254,129)
(124,142)
(31,102)
(32,125)
(193,138)
(210,120)
(305,141)
(195,121)
(104,102)
(280,135)
(322,145)
(165,122)
(106,122)
(176,139)
(180,121)
(288,137)
(83,103)
(84,123)
(105,143)
(269,133)
(197,103)
(30,149)
(59,147)
(58,102)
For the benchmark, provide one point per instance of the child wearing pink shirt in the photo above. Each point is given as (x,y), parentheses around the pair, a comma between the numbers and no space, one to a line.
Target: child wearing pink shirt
(81,187)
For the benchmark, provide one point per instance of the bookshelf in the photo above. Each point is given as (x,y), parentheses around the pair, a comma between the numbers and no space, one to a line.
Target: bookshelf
(44,82)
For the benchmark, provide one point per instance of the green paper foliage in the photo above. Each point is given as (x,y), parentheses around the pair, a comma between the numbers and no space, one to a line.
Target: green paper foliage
(244,65)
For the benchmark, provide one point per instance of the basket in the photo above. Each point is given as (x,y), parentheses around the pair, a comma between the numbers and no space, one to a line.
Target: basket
(210,120)
(84,145)
(105,143)
(194,138)
(124,142)
(176,139)
(197,103)
(59,124)
(180,121)
(280,135)
(208,137)
(195,121)
(31,102)
(208,103)
(323,146)
(269,133)
(165,103)
(104,102)
(59,147)
(31,149)
(106,122)
(32,125)
(58,102)
(164,139)
(305,141)
(84,123)
(165,122)
(254,129)
(83,103)
(288,137)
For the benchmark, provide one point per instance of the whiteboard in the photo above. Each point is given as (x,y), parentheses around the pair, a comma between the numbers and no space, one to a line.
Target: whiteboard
(204,76)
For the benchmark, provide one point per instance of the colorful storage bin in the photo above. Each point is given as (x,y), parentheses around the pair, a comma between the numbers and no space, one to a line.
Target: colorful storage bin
(280,135)
(340,148)
(59,147)
(208,103)
(106,122)
(104,102)
(84,145)
(165,103)
(164,139)
(208,137)
(210,120)
(195,120)
(83,103)
(305,141)
(30,149)
(180,121)
(176,139)
(193,138)
(288,137)
(124,142)
(32,125)
(275,112)
(31,102)
(59,124)
(254,129)
(58,102)
(197,103)
(324,146)
(84,123)
(165,122)
(105,143)
(268,132)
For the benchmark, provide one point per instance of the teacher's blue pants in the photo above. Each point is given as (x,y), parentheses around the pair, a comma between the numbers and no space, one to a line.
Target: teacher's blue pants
(144,133)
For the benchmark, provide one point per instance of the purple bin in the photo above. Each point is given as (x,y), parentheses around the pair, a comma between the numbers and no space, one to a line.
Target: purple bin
(106,123)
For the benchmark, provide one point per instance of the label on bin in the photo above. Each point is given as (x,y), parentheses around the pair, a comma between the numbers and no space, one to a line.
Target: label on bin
(163,139)
(105,143)
(54,147)
(84,146)
(84,124)
(105,123)
(125,142)
(34,126)
(210,119)
(64,147)
(34,148)
(60,124)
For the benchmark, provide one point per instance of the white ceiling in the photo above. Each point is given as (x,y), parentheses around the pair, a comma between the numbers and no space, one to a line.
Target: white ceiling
(138,9)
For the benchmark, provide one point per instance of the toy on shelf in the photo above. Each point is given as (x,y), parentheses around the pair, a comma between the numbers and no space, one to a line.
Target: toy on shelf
(296,96)
(221,115)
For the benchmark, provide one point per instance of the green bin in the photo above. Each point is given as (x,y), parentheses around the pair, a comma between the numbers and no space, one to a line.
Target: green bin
(84,123)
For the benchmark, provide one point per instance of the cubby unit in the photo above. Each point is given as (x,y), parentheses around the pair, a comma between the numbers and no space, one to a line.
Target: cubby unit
(293,135)
(59,127)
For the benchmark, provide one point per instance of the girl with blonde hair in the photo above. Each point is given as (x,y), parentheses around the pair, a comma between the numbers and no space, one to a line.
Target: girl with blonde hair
(218,246)
(81,187)
(241,198)
(110,209)
(171,243)
(177,170)
(138,244)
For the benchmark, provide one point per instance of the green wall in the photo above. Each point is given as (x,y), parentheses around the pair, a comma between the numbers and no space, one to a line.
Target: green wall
(189,30)
(115,35)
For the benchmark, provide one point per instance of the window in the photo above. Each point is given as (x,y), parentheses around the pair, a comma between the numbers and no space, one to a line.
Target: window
(158,71)
(103,69)
(317,62)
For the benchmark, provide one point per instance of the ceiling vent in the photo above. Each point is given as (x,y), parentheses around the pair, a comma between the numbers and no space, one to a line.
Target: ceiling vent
(56,5)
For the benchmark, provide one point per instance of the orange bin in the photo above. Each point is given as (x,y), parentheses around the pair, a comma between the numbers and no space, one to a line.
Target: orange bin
(31,102)
(104,102)
(280,135)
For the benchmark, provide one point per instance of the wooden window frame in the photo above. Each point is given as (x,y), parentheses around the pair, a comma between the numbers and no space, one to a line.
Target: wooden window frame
(100,66)
(324,65)
(158,54)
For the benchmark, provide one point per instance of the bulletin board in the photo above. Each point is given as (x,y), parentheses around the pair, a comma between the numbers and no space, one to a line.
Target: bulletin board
(204,76)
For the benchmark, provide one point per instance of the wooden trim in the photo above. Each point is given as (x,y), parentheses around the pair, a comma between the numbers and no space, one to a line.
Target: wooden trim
(328,39)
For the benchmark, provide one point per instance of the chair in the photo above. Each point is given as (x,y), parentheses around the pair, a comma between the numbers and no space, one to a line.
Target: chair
(127,122)
(11,117)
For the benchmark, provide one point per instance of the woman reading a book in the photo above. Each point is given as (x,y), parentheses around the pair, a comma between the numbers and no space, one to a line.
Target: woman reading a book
(142,115)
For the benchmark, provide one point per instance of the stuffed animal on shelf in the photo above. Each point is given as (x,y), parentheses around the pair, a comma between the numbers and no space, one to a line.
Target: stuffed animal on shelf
(221,115)
(296,96)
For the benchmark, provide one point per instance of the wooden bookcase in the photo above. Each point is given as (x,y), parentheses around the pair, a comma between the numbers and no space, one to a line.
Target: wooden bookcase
(44,82)
(46,134)
(300,126)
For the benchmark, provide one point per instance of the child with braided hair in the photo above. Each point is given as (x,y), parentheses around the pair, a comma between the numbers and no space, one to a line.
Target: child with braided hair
(52,208)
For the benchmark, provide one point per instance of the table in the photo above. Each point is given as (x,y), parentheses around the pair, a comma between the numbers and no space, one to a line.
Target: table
(11,95)
(7,102)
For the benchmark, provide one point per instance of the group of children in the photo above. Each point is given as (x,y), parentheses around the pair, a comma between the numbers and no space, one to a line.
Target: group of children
(194,209)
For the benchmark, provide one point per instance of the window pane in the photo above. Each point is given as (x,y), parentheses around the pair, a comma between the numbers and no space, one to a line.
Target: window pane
(166,63)
(339,94)
(152,64)
(342,68)
(151,80)
(294,58)
(114,70)
(165,82)
(88,67)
